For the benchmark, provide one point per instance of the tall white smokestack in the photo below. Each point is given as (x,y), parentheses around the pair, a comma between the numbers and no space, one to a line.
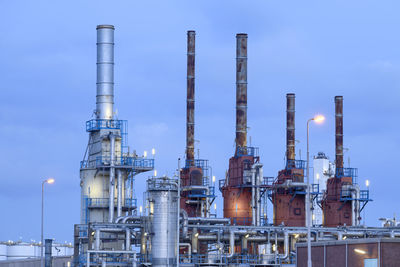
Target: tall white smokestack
(105,72)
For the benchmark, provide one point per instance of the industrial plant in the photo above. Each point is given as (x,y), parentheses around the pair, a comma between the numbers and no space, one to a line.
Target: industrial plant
(315,222)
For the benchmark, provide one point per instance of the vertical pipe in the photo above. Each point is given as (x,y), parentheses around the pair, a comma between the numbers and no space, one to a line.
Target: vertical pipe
(290,129)
(105,72)
(190,97)
(253,195)
(241,90)
(48,247)
(112,179)
(119,193)
(128,239)
(97,239)
(339,131)
(258,198)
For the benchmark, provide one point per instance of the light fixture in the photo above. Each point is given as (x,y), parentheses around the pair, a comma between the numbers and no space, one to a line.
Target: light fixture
(319,118)
(367,183)
(213,179)
(153,151)
(145,154)
(50,180)
(360,251)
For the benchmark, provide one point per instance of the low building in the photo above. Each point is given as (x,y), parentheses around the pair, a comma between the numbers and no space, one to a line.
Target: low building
(372,252)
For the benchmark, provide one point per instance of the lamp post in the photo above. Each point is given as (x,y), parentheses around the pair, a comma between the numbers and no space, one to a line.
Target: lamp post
(47,181)
(317,119)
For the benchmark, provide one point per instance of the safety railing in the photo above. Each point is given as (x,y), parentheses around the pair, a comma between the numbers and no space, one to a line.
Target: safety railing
(99,124)
(364,195)
(241,220)
(268,181)
(162,183)
(347,172)
(104,202)
(199,163)
(133,162)
(295,164)
(247,151)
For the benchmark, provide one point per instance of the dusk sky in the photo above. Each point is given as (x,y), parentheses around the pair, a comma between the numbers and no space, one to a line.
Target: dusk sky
(315,49)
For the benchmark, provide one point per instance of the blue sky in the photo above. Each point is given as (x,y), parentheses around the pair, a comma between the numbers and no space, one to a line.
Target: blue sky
(316,49)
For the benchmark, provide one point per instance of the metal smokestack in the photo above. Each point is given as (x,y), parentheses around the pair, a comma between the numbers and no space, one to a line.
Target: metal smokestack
(190,97)
(290,127)
(339,131)
(241,90)
(105,72)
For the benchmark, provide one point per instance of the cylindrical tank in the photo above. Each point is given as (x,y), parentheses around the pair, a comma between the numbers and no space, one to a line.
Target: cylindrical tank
(163,199)
(20,251)
(3,252)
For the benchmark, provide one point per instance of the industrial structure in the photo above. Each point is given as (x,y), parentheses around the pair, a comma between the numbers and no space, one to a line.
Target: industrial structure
(343,200)
(176,226)
(323,169)
(197,189)
(288,194)
(241,187)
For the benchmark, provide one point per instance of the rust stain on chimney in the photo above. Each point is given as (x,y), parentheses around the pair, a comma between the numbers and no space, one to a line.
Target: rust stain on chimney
(339,131)
(290,127)
(241,90)
(190,97)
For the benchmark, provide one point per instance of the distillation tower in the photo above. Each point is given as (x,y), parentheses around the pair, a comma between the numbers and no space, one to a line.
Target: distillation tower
(108,169)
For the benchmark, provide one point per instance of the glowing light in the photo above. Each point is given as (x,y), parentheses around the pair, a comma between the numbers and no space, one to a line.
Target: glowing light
(196,234)
(215,206)
(273,247)
(360,251)
(247,236)
(296,236)
(344,238)
(153,151)
(213,179)
(317,176)
(140,209)
(155,172)
(145,154)
(319,118)
(50,181)
(367,183)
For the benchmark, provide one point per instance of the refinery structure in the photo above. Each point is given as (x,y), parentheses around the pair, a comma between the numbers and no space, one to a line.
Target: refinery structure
(177,228)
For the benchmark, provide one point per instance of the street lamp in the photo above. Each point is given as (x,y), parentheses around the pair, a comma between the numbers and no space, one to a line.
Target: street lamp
(47,181)
(317,119)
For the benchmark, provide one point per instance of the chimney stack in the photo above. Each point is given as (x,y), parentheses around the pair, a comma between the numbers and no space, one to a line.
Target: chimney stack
(241,90)
(339,131)
(290,128)
(105,72)
(190,97)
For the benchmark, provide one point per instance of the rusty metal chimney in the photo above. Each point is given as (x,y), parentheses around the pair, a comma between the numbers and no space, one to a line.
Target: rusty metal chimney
(190,97)
(339,131)
(241,90)
(290,128)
